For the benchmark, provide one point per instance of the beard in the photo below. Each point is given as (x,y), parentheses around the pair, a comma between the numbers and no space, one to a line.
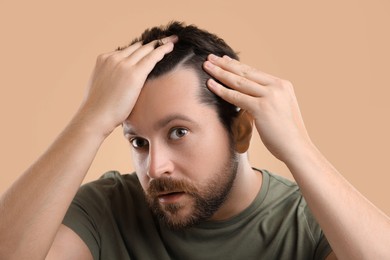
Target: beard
(204,200)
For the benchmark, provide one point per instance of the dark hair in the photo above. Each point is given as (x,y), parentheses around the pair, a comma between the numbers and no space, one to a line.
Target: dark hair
(191,51)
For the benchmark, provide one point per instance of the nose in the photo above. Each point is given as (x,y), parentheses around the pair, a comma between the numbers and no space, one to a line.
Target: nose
(160,163)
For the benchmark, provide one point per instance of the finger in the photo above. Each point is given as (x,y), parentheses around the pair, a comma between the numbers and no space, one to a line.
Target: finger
(171,38)
(128,50)
(234,81)
(147,63)
(118,55)
(145,49)
(232,96)
(242,69)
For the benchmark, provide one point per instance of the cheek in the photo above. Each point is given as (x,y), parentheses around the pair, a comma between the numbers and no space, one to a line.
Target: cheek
(206,155)
(138,160)
(140,167)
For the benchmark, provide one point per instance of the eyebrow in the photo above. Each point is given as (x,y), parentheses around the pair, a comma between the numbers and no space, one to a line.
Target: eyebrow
(128,130)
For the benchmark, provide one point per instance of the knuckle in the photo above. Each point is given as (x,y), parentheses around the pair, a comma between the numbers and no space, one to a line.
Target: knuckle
(233,62)
(108,59)
(281,88)
(278,82)
(285,84)
(281,84)
(101,58)
(222,73)
(241,82)
(113,59)
(235,96)
(246,70)
(123,65)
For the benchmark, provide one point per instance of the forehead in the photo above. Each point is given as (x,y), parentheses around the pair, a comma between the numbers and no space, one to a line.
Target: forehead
(175,93)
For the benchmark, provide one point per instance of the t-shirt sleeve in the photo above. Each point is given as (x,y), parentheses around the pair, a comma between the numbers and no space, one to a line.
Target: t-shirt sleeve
(85,216)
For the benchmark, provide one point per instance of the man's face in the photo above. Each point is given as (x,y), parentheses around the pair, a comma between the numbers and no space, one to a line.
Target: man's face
(182,153)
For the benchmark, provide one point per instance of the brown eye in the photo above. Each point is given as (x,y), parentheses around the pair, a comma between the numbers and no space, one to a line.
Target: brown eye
(139,142)
(178,133)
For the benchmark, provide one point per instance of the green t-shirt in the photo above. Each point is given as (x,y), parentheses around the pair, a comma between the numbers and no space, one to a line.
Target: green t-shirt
(113,219)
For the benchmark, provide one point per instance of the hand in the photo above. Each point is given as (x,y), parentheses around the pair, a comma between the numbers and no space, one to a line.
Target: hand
(270,101)
(117,80)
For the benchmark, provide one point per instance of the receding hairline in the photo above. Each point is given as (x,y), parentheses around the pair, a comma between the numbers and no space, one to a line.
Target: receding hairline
(194,67)
(181,64)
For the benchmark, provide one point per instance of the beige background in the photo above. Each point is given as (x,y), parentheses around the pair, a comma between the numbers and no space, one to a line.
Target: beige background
(336,53)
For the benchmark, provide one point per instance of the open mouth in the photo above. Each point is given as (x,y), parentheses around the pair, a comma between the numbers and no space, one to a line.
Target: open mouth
(170,197)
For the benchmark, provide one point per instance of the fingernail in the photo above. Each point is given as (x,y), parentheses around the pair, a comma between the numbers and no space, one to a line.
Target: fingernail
(212,83)
(213,57)
(171,38)
(208,64)
(174,38)
(227,57)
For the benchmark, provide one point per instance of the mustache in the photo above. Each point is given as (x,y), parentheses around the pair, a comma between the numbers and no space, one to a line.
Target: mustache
(168,185)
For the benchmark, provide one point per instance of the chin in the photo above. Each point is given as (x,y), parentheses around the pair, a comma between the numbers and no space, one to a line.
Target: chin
(178,217)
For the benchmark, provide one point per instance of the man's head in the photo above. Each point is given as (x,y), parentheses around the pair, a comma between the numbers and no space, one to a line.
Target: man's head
(183,136)
(191,51)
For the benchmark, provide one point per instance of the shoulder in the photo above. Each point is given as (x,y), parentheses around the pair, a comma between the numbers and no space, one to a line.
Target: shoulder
(292,214)
(284,196)
(278,180)
(110,182)
(279,189)
(104,207)
(112,189)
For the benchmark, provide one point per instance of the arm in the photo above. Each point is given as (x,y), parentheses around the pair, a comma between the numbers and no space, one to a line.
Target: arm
(68,245)
(33,208)
(347,218)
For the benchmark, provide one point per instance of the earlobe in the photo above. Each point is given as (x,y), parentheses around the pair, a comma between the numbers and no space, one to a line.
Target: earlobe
(242,131)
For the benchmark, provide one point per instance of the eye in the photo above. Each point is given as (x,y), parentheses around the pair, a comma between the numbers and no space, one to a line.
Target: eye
(139,142)
(177,133)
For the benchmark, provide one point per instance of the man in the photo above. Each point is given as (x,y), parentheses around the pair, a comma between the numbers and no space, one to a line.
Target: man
(194,194)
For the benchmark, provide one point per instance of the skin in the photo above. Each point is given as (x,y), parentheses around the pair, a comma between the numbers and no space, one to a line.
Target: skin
(346,217)
(32,209)
(160,151)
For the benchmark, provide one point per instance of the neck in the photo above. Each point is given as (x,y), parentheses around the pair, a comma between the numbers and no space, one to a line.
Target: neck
(245,189)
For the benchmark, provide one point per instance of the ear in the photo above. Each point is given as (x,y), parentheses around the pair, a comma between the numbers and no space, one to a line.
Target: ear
(242,131)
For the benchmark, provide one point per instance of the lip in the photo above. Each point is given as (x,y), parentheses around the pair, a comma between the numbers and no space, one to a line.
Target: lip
(170,197)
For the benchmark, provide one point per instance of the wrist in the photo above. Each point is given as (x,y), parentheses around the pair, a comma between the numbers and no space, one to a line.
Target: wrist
(91,124)
(308,160)
(301,153)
